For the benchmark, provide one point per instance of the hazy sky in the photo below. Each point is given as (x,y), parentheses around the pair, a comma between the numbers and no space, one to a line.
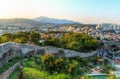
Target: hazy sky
(85,11)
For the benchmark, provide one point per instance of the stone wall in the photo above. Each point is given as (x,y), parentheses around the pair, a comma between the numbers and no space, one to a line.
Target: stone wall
(11,49)
(7,51)
(68,53)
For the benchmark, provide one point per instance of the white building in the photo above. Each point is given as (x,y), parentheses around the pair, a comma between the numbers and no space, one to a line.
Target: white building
(108,26)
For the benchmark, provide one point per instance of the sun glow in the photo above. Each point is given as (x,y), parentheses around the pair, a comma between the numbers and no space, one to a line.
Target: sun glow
(5,8)
(78,10)
(14,9)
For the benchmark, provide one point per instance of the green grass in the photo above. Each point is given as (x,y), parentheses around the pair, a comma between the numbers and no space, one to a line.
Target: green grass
(32,73)
(15,74)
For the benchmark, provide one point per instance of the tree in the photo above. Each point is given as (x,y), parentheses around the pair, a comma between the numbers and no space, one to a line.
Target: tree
(17,40)
(74,41)
(5,39)
(34,37)
(8,35)
(23,40)
(48,61)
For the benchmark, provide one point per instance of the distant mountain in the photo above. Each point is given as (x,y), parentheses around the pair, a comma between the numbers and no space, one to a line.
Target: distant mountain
(19,22)
(43,19)
(42,22)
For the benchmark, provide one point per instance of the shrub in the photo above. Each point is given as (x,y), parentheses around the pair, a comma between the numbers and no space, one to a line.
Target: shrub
(48,62)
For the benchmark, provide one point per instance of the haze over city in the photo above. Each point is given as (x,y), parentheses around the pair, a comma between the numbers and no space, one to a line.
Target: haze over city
(84,11)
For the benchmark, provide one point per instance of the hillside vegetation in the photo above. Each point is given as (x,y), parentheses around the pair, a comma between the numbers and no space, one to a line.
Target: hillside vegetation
(74,41)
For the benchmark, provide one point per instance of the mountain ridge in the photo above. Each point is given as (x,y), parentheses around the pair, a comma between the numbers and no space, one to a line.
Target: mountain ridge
(43,19)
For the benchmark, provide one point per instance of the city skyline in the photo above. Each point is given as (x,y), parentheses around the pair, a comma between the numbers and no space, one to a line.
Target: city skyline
(84,11)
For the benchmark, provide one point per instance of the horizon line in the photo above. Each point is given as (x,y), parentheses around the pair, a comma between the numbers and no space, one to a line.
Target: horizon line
(58,19)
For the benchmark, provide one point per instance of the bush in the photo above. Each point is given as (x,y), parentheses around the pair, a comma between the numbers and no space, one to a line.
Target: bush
(106,69)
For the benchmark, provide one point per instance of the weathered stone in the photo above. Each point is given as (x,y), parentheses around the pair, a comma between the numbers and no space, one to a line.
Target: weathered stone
(10,49)
(68,53)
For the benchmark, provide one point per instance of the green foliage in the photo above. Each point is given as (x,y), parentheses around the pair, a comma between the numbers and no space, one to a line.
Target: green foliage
(33,64)
(9,64)
(74,41)
(21,37)
(51,67)
(106,69)
(15,74)
(70,68)
(84,77)
(59,76)
(4,39)
(112,76)
(61,65)
(32,73)
(53,64)
(7,37)
(34,36)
